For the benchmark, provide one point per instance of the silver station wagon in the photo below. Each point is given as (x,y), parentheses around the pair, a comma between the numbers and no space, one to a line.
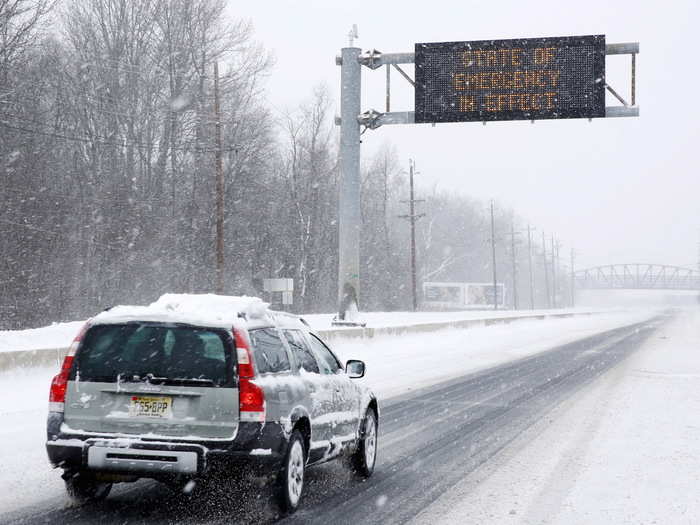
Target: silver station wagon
(191,383)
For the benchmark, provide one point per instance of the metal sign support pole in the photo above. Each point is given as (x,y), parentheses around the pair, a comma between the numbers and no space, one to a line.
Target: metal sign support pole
(349,203)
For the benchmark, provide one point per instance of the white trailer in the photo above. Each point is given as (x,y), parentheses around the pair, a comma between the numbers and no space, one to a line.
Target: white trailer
(458,296)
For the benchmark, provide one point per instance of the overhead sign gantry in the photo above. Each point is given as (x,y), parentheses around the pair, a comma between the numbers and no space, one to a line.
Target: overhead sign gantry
(474,81)
(532,78)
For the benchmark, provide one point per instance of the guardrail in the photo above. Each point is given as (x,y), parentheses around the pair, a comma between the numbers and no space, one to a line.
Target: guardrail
(54,356)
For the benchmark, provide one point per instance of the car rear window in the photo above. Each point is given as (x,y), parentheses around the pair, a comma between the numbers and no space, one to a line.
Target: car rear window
(155,353)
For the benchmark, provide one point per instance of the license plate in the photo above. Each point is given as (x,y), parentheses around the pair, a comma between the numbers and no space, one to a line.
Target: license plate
(149,406)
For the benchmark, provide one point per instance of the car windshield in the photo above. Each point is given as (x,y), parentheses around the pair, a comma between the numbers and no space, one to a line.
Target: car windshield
(153,353)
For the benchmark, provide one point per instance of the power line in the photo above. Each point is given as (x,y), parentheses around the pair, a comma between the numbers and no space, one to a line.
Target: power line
(98,140)
(73,198)
(163,103)
(58,234)
(164,73)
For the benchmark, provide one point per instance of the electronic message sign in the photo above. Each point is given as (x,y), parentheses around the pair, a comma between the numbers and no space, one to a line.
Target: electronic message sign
(530,78)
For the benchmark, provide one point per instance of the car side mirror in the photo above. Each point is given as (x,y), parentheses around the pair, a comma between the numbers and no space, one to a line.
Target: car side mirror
(355,369)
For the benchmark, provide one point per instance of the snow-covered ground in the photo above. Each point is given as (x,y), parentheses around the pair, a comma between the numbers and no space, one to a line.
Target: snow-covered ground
(394,365)
(25,475)
(626,449)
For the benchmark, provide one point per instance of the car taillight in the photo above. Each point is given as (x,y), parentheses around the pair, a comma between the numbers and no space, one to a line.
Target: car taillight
(252,401)
(251,396)
(59,384)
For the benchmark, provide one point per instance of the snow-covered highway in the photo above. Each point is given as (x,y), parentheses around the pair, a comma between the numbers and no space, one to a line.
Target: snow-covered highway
(452,401)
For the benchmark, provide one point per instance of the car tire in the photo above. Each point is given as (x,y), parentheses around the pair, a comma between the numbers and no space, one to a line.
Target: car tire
(290,482)
(365,456)
(82,487)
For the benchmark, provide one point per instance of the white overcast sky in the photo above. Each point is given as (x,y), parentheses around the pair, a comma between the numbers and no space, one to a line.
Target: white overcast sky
(617,190)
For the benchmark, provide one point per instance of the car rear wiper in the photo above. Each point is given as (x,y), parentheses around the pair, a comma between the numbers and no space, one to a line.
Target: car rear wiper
(131,377)
(158,380)
(191,380)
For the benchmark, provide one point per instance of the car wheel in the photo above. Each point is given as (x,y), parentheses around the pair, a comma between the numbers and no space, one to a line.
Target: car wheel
(365,456)
(82,487)
(290,483)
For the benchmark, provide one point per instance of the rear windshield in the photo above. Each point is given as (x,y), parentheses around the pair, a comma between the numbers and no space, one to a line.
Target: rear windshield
(162,354)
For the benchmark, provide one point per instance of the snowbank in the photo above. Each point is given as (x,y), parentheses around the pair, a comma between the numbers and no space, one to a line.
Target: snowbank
(217,310)
(58,335)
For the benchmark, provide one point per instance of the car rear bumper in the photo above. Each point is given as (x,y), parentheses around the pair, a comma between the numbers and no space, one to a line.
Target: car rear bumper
(256,447)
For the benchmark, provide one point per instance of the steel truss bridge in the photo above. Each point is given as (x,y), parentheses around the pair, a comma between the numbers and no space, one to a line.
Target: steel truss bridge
(637,277)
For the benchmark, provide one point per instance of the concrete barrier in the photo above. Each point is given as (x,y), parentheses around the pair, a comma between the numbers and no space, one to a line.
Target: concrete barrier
(370,332)
(32,358)
(54,356)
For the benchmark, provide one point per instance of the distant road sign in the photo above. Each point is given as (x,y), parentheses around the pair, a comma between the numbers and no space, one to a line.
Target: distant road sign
(530,78)
(284,286)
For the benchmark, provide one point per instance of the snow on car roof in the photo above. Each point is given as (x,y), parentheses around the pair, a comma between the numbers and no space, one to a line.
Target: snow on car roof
(210,310)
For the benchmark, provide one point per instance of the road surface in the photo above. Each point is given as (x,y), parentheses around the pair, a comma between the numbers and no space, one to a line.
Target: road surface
(430,440)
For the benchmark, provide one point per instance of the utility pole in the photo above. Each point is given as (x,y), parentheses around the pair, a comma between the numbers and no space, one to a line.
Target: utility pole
(413,217)
(529,255)
(219,188)
(573,284)
(546,276)
(493,259)
(554,277)
(515,269)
